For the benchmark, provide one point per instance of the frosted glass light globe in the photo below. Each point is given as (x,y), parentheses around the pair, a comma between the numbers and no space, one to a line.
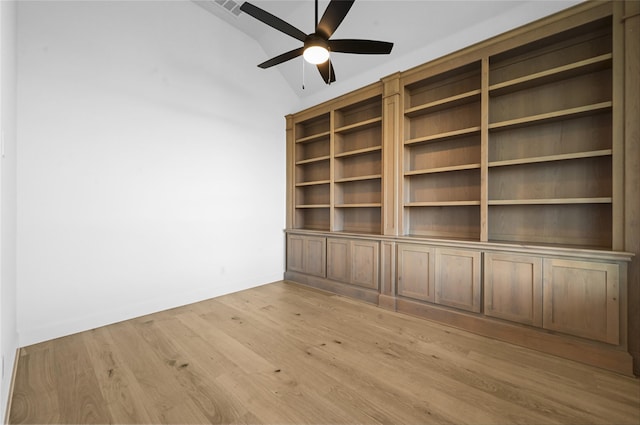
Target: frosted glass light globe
(316,54)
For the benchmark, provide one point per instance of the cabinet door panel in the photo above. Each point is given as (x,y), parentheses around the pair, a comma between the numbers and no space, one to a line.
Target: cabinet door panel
(364,263)
(295,256)
(458,279)
(338,259)
(513,288)
(582,298)
(315,256)
(416,272)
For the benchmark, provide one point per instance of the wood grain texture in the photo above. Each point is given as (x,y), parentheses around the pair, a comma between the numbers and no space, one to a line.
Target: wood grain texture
(632,170)
(283,353)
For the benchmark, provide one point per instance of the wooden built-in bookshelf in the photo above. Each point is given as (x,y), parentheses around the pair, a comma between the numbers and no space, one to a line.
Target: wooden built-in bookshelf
(441,173)
(466,188)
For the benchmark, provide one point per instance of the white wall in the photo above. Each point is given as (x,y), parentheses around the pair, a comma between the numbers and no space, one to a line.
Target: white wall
(151,166)
(8,334)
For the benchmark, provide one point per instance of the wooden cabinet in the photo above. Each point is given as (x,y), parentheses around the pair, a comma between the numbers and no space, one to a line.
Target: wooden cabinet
(336,155)
(307,254)
(443,276)
(551,141)
(582,298)
(457,280)
(312,173)
(516,145)
(441,191)
(513,288)
(507,155)
(353,261)
(416,272)
(358,166)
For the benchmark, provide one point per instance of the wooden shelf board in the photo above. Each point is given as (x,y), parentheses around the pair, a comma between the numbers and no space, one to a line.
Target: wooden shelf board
(442,236)
(442,204)
(442,169)
(358,178)
(358,152)
(449,102)
(550,201)
(362,125)
(313,137)
(550,158)
(313,206)
(312,160)
(363,205)
(313,228)
(314,183)
(555,74)
(551,116)
(587,249)
(443,136)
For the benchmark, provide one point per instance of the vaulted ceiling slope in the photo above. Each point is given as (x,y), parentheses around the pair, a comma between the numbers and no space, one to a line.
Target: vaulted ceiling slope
(421,30)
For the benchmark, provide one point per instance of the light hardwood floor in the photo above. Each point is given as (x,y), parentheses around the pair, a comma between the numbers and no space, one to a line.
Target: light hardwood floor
(285,354)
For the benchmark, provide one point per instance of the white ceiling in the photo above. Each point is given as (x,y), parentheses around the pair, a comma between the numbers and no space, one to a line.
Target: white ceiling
(427,26)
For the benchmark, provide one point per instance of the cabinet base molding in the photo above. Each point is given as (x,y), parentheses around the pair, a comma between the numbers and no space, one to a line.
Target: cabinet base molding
(591,353)
(595,354)
(366,295)
(387,302)
(565,302)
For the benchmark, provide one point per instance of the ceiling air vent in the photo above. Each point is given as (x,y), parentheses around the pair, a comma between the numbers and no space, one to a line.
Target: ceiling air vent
(230,6)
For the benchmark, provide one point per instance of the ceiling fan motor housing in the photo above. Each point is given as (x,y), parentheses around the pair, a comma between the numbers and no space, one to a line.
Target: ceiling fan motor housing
(315,40)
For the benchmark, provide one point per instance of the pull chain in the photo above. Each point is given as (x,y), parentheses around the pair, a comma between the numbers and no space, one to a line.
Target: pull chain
(302,74)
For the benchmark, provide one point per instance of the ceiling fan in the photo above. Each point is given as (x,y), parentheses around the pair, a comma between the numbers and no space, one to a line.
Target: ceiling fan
(317,45)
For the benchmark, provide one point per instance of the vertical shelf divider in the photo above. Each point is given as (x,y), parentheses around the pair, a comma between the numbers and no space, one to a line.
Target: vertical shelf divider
(617,141)
(392,122)
(291,171)
(333,220)
(484,151)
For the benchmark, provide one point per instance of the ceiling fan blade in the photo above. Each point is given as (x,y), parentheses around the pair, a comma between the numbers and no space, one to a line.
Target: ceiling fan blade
(282,58)
(272,21)
(327,72)
(365,47)
(333,16)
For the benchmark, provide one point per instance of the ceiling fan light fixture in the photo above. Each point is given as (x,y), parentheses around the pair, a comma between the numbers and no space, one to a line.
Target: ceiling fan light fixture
(315,50)
(316,54)
(317,45)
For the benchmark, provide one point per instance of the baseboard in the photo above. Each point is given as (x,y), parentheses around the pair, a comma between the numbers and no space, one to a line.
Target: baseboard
(7,411)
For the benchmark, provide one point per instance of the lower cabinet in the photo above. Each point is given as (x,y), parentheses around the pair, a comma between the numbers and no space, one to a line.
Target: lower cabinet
(571,303)
(513,288)
(579,298)
(307,254)
(442,276)
(458,279)
(416,272)
(582,298)
(353,261)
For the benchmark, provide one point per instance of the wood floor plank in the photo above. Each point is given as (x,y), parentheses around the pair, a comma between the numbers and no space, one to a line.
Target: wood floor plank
(344,336)
(35,398)
(119,386)
(79,396)
(295,360)
(286,354)
(156,376)
(197,368)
